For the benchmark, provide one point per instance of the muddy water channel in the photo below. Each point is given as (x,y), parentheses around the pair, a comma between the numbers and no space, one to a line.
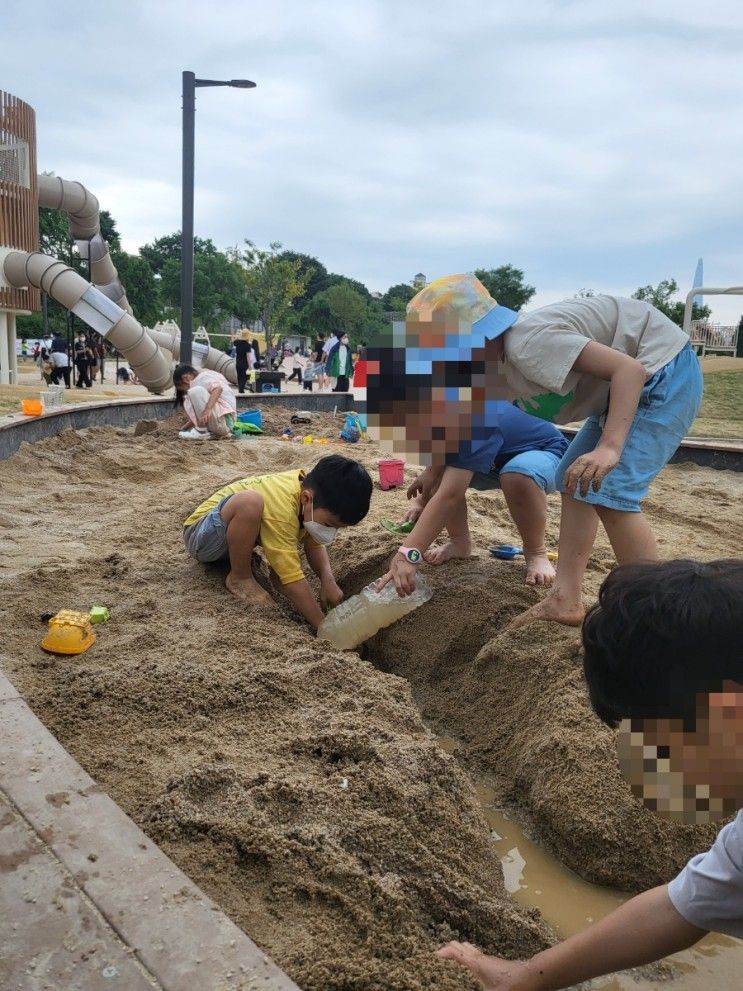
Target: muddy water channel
(535,879)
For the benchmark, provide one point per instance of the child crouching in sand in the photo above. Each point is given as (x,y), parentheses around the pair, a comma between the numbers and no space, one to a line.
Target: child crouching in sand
(208,400)
(509,450)
(279,512)
(663,663)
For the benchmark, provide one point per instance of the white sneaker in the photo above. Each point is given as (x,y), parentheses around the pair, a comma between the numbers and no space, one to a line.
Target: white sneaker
(194,434)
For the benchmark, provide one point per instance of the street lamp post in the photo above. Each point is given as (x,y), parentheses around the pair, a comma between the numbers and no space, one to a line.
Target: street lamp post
(190,83)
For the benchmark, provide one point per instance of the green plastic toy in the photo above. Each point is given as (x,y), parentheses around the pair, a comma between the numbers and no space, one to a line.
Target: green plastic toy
(398,528)
(99,614)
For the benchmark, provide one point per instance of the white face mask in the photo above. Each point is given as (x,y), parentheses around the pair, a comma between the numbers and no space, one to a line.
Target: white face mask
(319,532)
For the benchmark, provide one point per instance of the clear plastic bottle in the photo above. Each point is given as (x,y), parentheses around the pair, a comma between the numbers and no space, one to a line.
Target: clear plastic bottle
(361,616)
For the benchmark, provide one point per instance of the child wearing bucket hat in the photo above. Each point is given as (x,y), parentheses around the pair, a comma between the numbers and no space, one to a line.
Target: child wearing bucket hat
(619,363)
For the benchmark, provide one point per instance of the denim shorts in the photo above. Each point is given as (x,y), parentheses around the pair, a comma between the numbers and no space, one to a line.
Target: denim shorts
(206,539)
(668,404)
(539,466)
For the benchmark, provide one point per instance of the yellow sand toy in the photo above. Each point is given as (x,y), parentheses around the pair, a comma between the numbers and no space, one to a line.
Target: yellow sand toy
(70,632)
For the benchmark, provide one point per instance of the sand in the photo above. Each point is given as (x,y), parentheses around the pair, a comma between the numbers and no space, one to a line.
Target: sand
(299,786)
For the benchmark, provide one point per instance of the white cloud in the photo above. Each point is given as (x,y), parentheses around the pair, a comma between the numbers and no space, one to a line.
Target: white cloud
(590,144)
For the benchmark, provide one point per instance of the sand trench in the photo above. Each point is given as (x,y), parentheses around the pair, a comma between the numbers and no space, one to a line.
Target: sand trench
(299,786)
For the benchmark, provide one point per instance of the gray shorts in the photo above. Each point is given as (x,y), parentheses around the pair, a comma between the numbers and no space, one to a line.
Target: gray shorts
(206,539)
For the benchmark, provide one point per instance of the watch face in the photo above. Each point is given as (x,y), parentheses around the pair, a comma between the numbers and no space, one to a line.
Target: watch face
(413,555)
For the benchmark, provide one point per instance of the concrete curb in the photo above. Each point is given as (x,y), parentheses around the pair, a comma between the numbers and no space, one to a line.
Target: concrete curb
(87,899)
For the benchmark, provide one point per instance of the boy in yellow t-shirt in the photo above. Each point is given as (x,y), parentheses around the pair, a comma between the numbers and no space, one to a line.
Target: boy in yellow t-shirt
(280,512)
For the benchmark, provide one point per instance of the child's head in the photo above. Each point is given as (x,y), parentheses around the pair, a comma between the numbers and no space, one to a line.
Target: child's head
(664,663)
(431,381)
(336,492)
(183,376)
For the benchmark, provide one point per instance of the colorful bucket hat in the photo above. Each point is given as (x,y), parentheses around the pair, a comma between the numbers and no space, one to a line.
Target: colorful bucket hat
(448,320)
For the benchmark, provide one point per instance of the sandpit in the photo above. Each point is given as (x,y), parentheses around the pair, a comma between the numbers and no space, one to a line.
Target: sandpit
(298,786)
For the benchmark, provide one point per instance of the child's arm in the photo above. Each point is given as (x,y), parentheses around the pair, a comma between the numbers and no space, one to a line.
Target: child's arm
(302,598)
(644,929)
(431,522)
(626,377)
(318,559)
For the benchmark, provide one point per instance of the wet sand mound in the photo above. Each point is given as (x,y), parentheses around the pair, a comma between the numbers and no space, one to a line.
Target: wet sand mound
(298,785)
(519,705)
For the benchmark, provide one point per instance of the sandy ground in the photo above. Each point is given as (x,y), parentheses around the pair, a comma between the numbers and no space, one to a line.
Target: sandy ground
(297,785)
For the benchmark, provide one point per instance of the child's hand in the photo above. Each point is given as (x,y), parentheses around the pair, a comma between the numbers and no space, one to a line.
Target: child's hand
(402,573)
(414,510)
(330,593)
(589,470)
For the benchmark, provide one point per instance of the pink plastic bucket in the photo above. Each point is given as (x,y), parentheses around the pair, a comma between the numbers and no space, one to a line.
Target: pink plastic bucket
(391,473)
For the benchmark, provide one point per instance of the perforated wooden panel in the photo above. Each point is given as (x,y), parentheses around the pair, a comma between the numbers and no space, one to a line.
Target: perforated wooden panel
(19,199)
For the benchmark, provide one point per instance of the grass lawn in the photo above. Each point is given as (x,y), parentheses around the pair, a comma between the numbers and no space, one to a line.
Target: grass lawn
(722,409)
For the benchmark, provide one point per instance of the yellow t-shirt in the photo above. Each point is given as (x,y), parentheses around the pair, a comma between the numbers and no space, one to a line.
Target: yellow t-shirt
(280,532)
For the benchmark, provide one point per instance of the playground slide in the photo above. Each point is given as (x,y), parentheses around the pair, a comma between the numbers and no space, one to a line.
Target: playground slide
(142,348)
(82,208)
(88,302)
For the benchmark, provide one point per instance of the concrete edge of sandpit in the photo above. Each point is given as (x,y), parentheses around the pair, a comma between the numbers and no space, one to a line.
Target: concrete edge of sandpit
(126,412)
(87,898)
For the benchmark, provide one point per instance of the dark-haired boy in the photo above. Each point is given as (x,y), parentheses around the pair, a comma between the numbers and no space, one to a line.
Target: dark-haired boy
(280,512)
(663,663)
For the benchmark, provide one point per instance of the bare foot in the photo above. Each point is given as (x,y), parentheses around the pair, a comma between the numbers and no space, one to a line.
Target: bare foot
(454,548)
(553,608)
(493,973)
(248,590)
(539,570)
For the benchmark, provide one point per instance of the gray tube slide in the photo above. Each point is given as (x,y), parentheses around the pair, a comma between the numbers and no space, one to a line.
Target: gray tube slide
(97,310)
(82,208)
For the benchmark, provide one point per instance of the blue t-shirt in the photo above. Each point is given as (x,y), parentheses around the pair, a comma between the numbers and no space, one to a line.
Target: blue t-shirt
(500,433)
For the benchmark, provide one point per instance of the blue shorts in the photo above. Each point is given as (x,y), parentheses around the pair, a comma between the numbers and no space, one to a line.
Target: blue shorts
(206,539)
(668,404)
(540,466)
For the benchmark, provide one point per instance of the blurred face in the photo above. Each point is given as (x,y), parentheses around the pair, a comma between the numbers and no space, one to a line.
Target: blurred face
(186,381)
(691,776)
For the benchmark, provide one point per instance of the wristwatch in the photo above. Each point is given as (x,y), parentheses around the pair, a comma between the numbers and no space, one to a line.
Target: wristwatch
(410,554)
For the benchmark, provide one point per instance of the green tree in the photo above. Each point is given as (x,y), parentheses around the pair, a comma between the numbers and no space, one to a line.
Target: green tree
(506,285)
(661,297)
(343,280)
(312,271)
(141,286)
(273,284)
(218,287)
(168,248)
(397,297)
(341,307)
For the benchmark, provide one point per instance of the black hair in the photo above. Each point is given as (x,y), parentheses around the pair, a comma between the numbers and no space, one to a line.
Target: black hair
(341,486)
(180,391)
(661,636)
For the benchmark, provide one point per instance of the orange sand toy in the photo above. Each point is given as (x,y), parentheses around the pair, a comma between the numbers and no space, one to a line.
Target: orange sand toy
(70,632)
(32,407)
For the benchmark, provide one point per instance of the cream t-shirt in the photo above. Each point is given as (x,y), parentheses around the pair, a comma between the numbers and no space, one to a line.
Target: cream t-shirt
(542,347)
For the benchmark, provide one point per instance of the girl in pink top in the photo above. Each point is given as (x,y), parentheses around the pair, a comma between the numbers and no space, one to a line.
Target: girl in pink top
(208,400)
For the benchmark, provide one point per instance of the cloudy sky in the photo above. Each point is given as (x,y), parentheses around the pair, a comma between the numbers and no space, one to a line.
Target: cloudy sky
(594,145)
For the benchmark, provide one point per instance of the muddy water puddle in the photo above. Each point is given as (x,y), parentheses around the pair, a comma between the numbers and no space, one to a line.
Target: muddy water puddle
(535,879)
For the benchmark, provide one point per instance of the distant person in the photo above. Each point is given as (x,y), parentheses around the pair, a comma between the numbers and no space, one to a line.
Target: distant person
(338,363)
(282,513)
(100,350)
(208,401)
(82,362)
(244,360)
(257,353)
(60,364)
(126,376)
(663,664)
(46,344)
(299,362)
